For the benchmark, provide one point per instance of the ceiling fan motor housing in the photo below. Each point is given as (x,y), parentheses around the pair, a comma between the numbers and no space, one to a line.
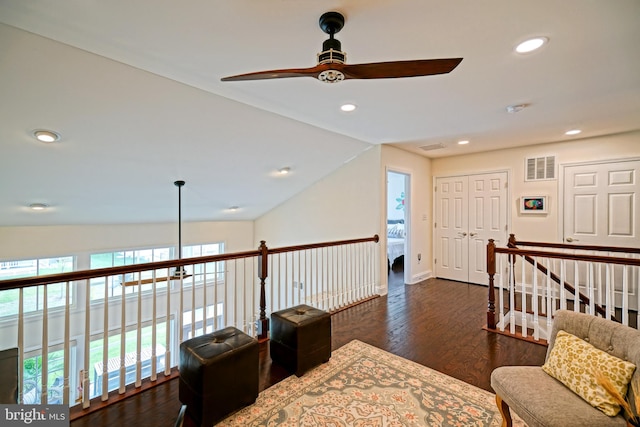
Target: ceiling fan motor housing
(331,23)
(331,52)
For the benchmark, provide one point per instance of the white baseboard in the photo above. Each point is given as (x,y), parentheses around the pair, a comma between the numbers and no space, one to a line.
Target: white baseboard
(417,278)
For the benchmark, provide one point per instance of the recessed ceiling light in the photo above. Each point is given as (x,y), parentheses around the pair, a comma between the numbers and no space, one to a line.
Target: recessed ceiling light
(463,142)
(531,44)
(46,135)
(284,171)
(348,107)
(38,206)
(573,132)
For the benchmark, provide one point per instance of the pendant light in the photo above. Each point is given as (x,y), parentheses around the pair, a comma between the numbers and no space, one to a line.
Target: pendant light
(179,272)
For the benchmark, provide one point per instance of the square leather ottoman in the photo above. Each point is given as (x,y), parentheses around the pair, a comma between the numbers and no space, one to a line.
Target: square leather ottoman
(218,374)
(300,338)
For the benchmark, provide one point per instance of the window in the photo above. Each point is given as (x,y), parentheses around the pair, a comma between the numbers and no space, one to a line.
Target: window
(211,268)
(34,295)
(128,257)
(32,378)
(115,286)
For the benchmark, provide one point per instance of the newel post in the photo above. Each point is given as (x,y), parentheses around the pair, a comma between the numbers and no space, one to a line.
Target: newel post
(491,270)
(263,321)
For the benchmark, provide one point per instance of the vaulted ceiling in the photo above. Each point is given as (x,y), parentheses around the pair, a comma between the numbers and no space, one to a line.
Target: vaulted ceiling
(134,90)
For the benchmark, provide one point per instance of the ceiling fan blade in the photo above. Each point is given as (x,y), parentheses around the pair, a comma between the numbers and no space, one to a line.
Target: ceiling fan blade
(396,69)
(277,74)
(375,70)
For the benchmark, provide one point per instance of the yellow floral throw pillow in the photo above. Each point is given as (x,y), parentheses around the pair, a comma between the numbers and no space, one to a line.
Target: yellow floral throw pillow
(576,364)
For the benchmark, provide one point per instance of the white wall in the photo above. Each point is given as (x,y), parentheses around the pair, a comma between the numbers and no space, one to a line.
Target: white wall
(539,227)
(52,241)
(418,212)
(343,205)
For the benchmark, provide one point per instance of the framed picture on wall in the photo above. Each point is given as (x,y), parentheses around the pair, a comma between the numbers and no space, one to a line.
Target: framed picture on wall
(533,204)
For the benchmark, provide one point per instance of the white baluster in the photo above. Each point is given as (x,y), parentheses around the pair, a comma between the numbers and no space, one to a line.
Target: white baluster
(154,324)
(501,292)
(550,297)
(67,346)
(625,295)
(138,382)
(167,345)
(105,340)
(123,342)
(523,297)
(534,302)
(86,401)
(563,292)
(21,341)
(44,395)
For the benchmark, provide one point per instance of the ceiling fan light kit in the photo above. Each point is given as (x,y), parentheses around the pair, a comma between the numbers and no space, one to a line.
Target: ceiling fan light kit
(332,68)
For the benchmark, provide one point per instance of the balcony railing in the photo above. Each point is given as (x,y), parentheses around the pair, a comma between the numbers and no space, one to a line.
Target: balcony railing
(109,329)
(529,281)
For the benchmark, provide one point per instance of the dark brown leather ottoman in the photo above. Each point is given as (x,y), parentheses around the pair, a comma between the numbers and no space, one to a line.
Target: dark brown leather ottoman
(300,338)
(218,374)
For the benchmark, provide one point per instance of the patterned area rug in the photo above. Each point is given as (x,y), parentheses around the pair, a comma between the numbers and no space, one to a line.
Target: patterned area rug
(364,386)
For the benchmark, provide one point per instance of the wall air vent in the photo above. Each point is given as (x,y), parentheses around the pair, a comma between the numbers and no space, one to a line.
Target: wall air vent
(432,147)
(540,168)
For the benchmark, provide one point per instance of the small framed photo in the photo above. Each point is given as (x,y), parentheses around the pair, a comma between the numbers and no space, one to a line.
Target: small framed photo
(533,204)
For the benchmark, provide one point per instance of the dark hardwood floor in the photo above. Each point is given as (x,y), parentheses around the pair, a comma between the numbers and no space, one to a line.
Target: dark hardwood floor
(437,323)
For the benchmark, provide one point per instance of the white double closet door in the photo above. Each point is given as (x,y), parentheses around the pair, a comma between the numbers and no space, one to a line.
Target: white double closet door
(469,210)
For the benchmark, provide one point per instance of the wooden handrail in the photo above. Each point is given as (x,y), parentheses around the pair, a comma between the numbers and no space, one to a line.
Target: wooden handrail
(575,247)
(112,271)
(134,268)
(375,239)
(575,257)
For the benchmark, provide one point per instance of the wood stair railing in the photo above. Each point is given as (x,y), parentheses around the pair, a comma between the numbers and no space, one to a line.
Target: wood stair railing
(512,243)
(514,249)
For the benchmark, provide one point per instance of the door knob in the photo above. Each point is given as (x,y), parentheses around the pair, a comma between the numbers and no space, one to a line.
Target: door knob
(473,234)
(571,239)
(462,233)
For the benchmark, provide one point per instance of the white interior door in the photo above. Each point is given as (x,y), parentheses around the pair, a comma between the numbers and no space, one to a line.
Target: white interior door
(452,228)
(470,210)
(601,208)
(601,204)
(487,220)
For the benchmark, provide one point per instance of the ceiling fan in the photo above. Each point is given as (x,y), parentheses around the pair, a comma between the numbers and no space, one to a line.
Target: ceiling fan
(331,66)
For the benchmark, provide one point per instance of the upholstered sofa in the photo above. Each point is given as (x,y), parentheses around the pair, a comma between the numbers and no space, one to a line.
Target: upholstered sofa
(542,400)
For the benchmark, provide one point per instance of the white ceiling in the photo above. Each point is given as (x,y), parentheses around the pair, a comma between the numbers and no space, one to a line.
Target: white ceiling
(134,88)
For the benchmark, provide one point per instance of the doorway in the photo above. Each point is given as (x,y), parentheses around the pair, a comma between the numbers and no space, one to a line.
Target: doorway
(398,232)
(469,210)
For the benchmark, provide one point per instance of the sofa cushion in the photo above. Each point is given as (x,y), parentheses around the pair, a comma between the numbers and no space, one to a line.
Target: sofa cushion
(541,400)
(576,363)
